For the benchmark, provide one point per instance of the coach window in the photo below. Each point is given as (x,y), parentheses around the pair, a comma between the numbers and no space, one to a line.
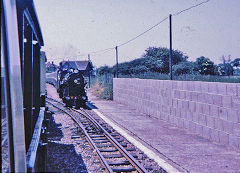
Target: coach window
(4,129)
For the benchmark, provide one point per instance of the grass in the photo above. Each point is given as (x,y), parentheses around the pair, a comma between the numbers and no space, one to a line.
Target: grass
(102,86)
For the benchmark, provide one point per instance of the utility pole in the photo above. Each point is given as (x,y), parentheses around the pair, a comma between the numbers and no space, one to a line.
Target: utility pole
(170,55)
(89,72)
(116,61)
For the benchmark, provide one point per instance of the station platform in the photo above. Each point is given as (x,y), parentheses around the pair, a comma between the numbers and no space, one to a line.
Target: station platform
(175,149)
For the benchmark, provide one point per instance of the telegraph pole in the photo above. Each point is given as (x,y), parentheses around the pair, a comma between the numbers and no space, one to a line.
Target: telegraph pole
(170,55)
(116,61)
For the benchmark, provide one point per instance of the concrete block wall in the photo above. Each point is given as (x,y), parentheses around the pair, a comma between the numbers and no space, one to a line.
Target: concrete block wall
(209,109)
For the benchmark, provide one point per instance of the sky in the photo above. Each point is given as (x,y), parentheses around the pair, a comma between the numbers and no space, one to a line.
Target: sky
(73,28)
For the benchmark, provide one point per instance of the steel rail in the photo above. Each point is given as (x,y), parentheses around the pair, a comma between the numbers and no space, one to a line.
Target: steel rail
(96,125)
(104,162)
(132,160)
(121,149)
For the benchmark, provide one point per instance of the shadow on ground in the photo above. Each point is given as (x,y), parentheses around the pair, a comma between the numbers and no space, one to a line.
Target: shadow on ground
(90,105)
(62,157)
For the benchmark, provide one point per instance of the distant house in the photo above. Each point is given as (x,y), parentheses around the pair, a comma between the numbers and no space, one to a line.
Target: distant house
(51,67)
(85,67)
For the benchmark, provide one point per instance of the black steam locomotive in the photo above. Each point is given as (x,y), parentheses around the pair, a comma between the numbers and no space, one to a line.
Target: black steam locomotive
(71,87)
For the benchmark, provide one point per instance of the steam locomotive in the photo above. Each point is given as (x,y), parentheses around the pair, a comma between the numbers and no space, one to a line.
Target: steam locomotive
(71,87)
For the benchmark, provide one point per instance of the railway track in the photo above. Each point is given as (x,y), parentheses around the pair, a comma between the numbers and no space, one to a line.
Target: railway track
(110,148)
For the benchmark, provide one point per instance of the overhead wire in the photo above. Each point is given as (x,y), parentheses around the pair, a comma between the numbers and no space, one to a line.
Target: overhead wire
(139,35)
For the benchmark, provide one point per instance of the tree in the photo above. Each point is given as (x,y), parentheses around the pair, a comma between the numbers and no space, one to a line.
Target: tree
(236,62)
(159,58)
(205,66)
(185,68)
(225,69)
(104,69)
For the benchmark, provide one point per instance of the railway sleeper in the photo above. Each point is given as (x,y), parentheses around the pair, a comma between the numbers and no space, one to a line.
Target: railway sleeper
(131,149)
(125,162)
(110,156)
(104,145)
(120,140)
(96,136)
(114,135)
(99,139)
(103,141)
(108,150)
(123,169)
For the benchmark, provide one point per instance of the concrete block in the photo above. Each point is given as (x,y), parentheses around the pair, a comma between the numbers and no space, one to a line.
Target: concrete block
(236,129)
(171,118)
(182,95)
(189,116)
(210,122)
(222,88)
(180,123)
(183,113)
(232,89)
(238,90)
(206,109)
(176,94)
(178,112)
(195,117)
(217,100)
(194,96)
(234,141)
(219,124)
(202,119)
(184,85)
(236,102)
(185,105)
(206,132)
(173,111)
(192,127)
(188,96)
(201,97)
(192,106)
(232,115)
(236,106)
(190,86)
(174,85)
(223,138)
(197,85)
(223,113)
(214,135)
(227,101)
(228,127)
(204,87)
(214,111)
(208,98)
(199,107)
(238,113)
(176,121)
(174,103)
(179,104)
(186,124)
(199,129)
(180,85)
(212,87)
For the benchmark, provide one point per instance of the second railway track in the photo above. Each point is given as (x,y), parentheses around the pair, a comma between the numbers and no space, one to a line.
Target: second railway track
(110,148)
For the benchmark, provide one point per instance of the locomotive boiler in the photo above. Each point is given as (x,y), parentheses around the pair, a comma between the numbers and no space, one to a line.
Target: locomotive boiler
(71,87)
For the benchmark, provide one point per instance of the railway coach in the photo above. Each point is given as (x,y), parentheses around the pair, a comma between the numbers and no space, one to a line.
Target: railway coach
(22,88)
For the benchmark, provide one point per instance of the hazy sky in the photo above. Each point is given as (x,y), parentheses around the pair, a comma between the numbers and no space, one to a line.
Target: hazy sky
(72,27)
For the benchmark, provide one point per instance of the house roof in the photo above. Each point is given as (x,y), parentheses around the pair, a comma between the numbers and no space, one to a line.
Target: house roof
(80,65)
